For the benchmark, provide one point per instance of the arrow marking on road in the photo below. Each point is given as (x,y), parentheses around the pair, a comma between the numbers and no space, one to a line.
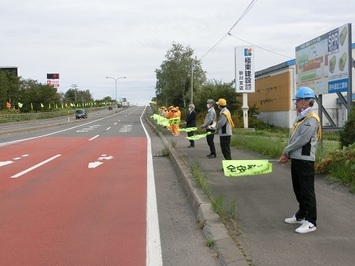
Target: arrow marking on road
(5,163)
(94,164)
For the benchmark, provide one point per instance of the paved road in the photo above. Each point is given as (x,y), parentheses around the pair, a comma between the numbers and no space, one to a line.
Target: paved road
(76,197)
(84,200)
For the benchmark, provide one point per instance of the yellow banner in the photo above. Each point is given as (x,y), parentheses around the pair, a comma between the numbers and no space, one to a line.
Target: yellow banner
(200,136)
(233,168)
(188,129)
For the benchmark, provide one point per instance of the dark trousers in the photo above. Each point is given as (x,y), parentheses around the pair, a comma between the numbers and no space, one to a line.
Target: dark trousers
(210,141)
(225,142)
(302,173)
(192,142)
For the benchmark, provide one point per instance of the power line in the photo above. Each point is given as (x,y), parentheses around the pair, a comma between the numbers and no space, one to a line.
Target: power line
(244,13)
(228,33)
(286,56)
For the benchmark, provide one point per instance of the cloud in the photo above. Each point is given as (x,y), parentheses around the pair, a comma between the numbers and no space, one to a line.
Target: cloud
(85,41)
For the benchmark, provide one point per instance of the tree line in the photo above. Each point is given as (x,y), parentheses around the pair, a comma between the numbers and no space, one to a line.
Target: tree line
(28,95)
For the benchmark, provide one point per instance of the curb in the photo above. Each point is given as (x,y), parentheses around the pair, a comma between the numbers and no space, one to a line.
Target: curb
(213,228)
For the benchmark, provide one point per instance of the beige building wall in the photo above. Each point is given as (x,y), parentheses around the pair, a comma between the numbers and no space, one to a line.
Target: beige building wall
(272,93)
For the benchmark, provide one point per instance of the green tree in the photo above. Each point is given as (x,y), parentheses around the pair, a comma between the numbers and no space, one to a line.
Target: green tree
(174,77)
(9,89)
(34,95)
(214,90)
(78,96)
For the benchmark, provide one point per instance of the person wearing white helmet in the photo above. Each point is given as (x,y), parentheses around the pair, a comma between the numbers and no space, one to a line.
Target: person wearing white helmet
(301,149)
(209,123)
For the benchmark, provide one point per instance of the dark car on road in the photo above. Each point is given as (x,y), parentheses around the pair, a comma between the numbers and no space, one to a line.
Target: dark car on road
(80,114)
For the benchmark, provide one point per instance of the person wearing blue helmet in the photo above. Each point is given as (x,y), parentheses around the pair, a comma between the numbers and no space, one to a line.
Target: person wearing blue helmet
(301,149)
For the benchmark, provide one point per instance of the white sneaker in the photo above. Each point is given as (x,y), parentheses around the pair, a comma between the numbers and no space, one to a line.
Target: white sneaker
(294,220)
(305,228)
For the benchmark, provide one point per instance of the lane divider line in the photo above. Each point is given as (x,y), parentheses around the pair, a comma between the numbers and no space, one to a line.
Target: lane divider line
(94,137)
(153,243)
(35,166)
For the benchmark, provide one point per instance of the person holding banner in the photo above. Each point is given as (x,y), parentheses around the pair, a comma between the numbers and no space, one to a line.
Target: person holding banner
(224,127)
(191,122)
(209,123)
(301,149)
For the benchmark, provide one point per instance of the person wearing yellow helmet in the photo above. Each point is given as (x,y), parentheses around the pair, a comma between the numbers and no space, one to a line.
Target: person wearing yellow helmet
(224,127)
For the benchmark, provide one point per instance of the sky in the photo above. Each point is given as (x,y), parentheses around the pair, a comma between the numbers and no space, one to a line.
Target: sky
(86,41)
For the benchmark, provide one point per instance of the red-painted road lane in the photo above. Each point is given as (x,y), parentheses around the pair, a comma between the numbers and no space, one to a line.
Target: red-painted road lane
(84,206)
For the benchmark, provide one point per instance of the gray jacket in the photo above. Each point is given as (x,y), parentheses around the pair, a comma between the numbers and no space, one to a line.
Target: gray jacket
(302,143)
(223,126)
(210,118)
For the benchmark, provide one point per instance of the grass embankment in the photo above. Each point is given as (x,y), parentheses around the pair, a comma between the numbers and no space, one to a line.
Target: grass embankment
(7,116)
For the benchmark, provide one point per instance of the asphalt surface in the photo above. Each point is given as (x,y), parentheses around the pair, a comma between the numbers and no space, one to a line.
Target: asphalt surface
(263,202)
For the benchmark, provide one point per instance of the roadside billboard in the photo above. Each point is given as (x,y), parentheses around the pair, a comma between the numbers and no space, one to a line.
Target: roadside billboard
(324,63)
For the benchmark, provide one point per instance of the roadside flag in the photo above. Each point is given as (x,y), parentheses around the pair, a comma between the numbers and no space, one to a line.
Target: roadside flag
(161,120)
(8,105)
(20,105)
(235,168)
(42,105)
(188,129)
(31,106)
(200,136)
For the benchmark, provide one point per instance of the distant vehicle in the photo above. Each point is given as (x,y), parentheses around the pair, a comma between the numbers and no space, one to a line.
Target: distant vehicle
(81,113)
(110,107)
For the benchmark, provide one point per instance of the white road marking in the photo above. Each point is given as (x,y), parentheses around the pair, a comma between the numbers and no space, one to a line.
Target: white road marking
(94,164)
(105,157)
(126,128)
(108,128)
(153,248)
(5,163)
(36,166)
(94,137)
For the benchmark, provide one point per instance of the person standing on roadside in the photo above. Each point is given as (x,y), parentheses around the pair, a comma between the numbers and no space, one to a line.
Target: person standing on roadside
(191,122)
(301,149)
(210,122)
(224,127)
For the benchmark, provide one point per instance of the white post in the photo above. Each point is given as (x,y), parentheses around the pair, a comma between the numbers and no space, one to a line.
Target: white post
(245,109)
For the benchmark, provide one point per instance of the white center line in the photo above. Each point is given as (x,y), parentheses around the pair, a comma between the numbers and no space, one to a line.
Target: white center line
(35,166)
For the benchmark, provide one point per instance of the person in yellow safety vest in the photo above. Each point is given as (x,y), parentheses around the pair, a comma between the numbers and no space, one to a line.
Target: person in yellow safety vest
(175,124)
(301,150)
(224,126)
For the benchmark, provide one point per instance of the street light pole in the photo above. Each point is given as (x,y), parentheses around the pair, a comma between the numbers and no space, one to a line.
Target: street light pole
(115,79)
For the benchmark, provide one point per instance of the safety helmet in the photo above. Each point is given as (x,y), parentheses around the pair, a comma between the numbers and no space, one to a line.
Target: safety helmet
(210,101)
(304,93)
(222,102)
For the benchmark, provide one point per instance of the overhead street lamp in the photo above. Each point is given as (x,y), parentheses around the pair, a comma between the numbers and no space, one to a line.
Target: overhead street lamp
(115,79)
